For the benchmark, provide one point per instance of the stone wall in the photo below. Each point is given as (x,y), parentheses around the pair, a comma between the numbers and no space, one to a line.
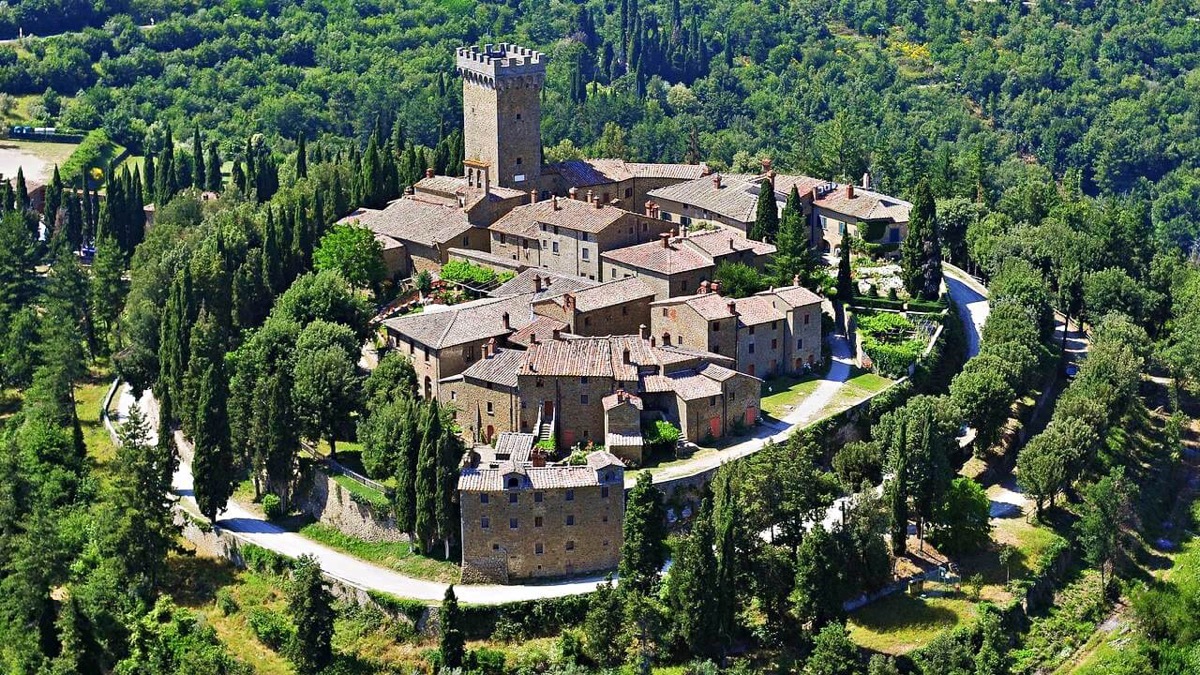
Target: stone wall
(319,497)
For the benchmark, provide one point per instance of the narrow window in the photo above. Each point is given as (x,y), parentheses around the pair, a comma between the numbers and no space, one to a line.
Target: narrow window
(512,498)
(570,495)
(583,399)
(512,523)
(537,497)
(570,520)
(537,548)
(537,521)
(604,492)
(485,523)
(570,545)
(483,498)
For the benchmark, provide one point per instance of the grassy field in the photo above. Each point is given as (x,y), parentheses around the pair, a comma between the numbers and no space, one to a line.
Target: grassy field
(89,396)
(787,393)
(901,623)
(394,556)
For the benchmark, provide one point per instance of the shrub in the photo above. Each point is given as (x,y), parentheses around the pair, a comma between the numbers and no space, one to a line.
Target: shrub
(484,661)
(272,506)
(464,272)
(226,602)
(548,445)
(407,607)
(264,561)
(662,434)
(271,628)
(96,151)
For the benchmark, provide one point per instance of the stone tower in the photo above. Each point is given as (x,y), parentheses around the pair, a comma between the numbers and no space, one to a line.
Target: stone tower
(502,114)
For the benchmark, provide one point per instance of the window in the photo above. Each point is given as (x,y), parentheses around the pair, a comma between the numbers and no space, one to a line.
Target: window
(490,409)
(502,241)
(841,228)
(513,482)
(628,193)
(513,498)
(512,523)
(570,545)
(454,396)
(537,521)
(800,343)
(806,319)
(583,399)
(538,497)
(604,519)
(518,115)
(712,400)
(750,348)
(555,229)
(483,498)
(624,310)
(683,284)
(664,311)
(666,217)
(554,247)
(585,253)
(752,330)
(716,326)
(570,520)
(570,495)
(773,325)
(645,227)
(604,492)
(495,547)
(537,549)
(684,220)
(732,396)
(485,523)
(774,344)
(518,161)
(583,379)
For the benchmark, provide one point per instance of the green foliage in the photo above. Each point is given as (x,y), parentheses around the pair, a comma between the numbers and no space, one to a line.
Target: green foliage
(643,551)
(961,522)
(272,506)
(833,653)
(226,602)
(94,152)
(469,274)
(452,644)
(891,341)
(270,627)
(921,251)
(739,280)
(662,434)
(310,605)
(353,252)
(264,561)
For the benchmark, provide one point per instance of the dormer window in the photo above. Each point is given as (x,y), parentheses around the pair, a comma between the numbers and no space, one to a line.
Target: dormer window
(513,482)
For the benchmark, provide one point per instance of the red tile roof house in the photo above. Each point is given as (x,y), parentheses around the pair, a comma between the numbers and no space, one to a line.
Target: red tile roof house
(677,265)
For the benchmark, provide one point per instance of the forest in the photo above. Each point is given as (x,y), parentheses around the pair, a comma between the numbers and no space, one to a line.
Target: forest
(1049,148)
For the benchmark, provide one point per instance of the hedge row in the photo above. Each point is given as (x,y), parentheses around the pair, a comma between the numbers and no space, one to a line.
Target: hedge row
(523,620)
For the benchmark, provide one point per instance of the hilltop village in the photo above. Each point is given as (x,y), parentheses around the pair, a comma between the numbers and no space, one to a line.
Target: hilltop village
(611,319)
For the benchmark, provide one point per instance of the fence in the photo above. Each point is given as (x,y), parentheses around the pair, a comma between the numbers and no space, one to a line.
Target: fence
(333,466)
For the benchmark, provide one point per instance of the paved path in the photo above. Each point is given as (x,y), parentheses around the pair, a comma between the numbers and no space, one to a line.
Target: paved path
(971,298)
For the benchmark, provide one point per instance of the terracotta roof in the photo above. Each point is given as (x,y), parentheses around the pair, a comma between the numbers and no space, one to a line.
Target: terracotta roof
(488,479)
(542,326)
(387,242)
(514,446)
(608,294)
(653,256)
(690,385)
(672,355)
(724,241)
(572,214)
(552,283)
(589,356)
(356,215)
(613,400)
(737,198)
(500,369)
(865,205)
(464,323)
(796,296)
(450,190)
(587,172)
(751,311)
(413,220)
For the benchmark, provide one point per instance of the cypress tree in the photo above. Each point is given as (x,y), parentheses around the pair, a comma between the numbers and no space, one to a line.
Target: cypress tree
(212,166)
(897,497)
(818,587)
(238,176)
(920,253)
(273,257)
(766,218)
(137,210)
(199,175)
(341,199)
(845,284)
(148,176)
(251,167)
(74,221)
(450,454)
(728,521)
(643,552)
(310,605)
(54,197)
(390,174)
(452,643)
(212,465)
(301,158)
(792,256)
(372,176)
(7,196)
(427,479)
(690,596)
(407,456)
(165,186)
(22,196)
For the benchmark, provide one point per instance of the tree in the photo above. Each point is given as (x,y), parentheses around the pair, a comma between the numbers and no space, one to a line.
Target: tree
(393,378)
(452,643)
(605,640)
(920,253)
(739,280)
(817,598)
(690,583)
(984,397)
(213,181)
(199,175)
(1041,471)
(213,462)
(766,214)
(53,203)
(301,157)
(834,653)
(107,289)
(19,358)
(643,551)
(845,284)
(325,392)
(354,252)
(961,522)
(918,439)
(1105,511)
(427,478)
(324,295)
(310,604)
(144,530)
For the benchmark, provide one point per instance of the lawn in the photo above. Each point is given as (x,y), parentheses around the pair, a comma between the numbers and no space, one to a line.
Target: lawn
(900,623)
(782,394)
(374,497)
(394,556)
(89,396)
(858,388)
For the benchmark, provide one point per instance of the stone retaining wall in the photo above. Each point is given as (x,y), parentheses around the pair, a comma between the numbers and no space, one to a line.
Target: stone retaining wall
(321,498)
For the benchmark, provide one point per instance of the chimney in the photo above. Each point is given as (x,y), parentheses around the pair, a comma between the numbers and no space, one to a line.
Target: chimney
(732,307)
(429,172)
(716,179)
(703,287)
(665,238)
(490,349)
(766,164)
(624,359)
(538,458)
(408,190)
(596,201)
(649,209)
(589,195)
(731,245)
(850,191)
(643,331)
(795,279)
(556,206)
(771,177)
(504,321)
(866,180)
(487,182)
(537,283)
(652,342)
(705,169)
(573,193)
(555,333)
(816,194)
(533,338)
(716,286)
(533,196)
(569,302)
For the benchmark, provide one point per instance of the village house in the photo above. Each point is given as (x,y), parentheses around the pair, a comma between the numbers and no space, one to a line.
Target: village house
(676,265)
(568,236)
(484,396)
(771,333)
(610,308)
(525,518)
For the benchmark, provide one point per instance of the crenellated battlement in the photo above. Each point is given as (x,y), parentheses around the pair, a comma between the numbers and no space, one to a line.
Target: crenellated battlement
(500,62)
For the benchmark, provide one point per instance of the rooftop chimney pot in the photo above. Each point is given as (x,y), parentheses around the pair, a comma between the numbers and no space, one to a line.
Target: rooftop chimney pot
(643,331)
(533,196)
(429,173)
(716,179)
(504,321)
(732,307)
(665,238)
(850,190)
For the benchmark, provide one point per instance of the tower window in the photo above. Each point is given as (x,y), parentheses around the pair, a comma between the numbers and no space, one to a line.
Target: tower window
(518,161)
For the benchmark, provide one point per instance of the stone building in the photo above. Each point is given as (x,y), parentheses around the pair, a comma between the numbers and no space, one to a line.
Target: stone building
(568,236)
(502,112)
(771,333)
(615,181)
(484,396)
(611,308)
(525,518)
(838,210)
(677,265)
